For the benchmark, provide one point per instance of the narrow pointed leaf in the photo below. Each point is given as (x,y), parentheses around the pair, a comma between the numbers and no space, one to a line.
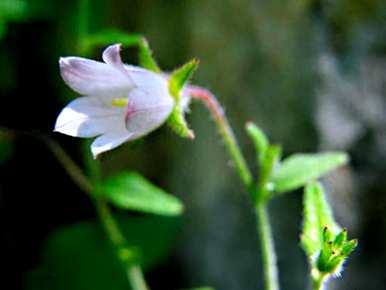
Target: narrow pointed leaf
(259,139)
(317,215)
(298,169)
(130,190)
(267,167)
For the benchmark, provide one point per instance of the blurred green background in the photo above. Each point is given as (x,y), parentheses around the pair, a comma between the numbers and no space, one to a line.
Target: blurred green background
(312,74)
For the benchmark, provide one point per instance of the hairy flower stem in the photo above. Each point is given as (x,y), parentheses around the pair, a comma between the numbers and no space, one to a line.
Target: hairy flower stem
(271,280)
(267,248)
(133,271)
(226,132)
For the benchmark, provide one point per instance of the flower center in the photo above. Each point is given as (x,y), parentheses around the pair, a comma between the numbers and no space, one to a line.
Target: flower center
(119,102)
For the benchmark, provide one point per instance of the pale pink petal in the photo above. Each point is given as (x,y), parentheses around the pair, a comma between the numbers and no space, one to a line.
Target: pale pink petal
(109,141)
(111,55)
(149,103)
(140,120)
(89,117)
(89,77)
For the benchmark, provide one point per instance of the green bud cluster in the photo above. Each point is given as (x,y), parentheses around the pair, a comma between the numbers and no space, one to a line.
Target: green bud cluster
(335,250)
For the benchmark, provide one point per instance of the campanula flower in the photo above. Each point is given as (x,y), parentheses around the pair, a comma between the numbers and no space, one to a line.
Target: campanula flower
(118,102)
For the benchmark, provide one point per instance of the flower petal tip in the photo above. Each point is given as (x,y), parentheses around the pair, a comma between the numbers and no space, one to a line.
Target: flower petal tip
(111,55)
(63,62)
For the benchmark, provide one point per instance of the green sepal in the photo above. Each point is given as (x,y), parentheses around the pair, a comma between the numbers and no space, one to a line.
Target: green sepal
(334,264)
(318,220)
(350,246)
(177,122)
(327,235)
(324,257)
(340,238)
(180,77)
(259,139)
(177,81)
(146,59)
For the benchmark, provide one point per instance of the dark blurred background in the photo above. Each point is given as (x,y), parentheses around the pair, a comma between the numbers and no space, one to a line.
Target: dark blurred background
(312,74)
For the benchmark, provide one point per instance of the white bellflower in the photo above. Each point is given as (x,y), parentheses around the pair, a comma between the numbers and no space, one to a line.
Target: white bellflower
(119,102)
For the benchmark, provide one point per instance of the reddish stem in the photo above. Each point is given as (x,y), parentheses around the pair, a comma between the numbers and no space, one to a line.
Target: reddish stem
(210,101)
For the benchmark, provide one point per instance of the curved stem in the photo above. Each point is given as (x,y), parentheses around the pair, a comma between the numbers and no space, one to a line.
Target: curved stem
(133,271)
(124,253)
(225,130)
(263,225)
(271,280)
(72,169)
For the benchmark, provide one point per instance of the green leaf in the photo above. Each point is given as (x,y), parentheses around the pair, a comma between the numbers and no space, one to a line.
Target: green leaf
(298,169)
(130,190)
(317,216)
(259,139)
(80,256)
(267,167)
(180,76)
(269,163)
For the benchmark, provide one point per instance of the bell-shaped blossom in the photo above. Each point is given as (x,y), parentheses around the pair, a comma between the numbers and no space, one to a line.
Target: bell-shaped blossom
(119,102)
